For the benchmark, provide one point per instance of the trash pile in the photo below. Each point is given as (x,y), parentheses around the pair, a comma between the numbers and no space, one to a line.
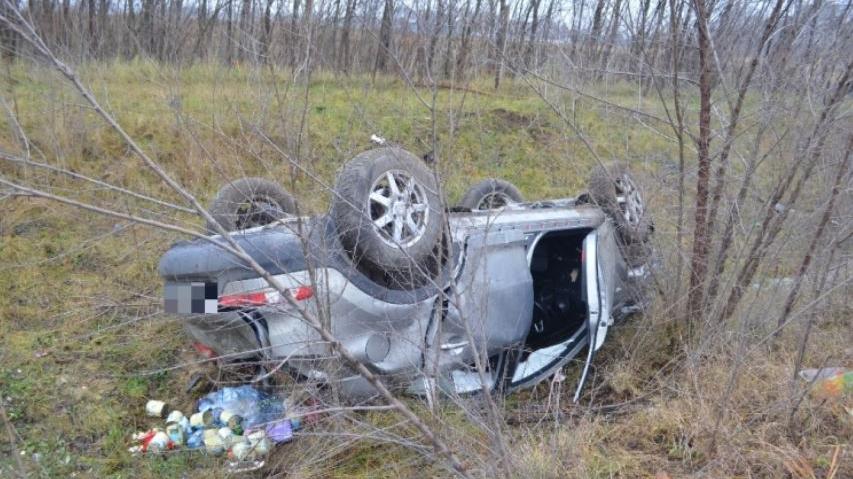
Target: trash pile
(241,422)
(829,383)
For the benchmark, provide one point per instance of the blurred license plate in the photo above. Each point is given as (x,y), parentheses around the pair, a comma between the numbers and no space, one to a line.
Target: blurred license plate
(191,298)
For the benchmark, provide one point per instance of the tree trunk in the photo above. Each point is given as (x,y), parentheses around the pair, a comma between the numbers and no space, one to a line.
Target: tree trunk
(345,36)
(465,45)
(103,40)
(91,11)
(8,37)
(293,43)
(245,36)
(229,33)
(383,51)
(66,20)
(47,22)
(201,27)
(549,22)
(307,30)
(500,41)
(160,36)
(334,40)
(638,44)
(266,32)
(595,33)
(433,40)
(147,26)
(530,54)
(701,240)
(451,23)
(130,28)
(577,22)
(177,33)
(611,37)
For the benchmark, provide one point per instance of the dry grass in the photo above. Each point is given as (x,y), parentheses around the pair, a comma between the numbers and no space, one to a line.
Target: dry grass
(683,420)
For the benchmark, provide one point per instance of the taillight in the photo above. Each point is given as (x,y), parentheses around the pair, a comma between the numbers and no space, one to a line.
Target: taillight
(263,298)
(243,300)
(302,293)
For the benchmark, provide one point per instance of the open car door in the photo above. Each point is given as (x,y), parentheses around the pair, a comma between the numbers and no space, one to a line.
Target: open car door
(599,263)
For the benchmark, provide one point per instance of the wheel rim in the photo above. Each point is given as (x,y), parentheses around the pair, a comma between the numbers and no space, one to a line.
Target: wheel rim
(493,200)
(258,211)
(398,208)
(629,199)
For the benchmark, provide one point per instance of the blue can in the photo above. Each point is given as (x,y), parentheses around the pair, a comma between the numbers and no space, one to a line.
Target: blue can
(196,439)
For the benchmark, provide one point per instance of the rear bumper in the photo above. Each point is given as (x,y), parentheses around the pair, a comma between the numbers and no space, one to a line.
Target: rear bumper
(387,337)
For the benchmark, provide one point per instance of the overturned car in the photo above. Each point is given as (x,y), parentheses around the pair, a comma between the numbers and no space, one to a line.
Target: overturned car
(494,294)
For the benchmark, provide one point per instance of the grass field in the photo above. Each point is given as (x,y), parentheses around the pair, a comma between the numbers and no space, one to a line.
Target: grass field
(83,343)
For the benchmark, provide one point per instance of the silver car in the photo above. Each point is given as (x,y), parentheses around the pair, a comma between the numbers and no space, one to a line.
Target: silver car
(416,291)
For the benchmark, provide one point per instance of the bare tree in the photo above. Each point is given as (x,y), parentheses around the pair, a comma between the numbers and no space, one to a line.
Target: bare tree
(500,41)
(345,45)
(383,51)
(701,236)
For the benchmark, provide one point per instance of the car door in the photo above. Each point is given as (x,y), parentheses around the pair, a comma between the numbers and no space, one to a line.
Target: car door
(599,263)
(490,303)
(606,254)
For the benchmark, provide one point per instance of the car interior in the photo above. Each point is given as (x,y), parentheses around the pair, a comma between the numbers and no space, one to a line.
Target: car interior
(560,306)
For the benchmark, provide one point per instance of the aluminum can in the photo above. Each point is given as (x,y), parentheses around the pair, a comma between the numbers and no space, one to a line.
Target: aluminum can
(155,408)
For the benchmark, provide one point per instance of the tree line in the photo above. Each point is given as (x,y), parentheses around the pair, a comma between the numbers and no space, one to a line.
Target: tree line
(421,39)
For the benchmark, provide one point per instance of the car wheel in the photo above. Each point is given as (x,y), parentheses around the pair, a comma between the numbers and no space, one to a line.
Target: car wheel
(490,194)
(388,216)
(250,202)
(616,192)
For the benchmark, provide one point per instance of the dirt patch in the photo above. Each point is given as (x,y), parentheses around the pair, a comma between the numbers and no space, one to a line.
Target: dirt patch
(511,119)
(30,228)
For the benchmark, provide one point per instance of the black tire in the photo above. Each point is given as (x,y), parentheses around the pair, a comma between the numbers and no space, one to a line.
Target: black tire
(490,194)
(399,259)
(633,224)
(250,202)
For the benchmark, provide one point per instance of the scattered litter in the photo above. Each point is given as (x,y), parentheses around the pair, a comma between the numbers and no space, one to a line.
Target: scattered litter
(195,439)
(378,140)
(241,422)
(830,383)
(280,431)
(213,442)
(248,466)
(252,405)
(201,419)
(195,381)
(156,408)
(823,373)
